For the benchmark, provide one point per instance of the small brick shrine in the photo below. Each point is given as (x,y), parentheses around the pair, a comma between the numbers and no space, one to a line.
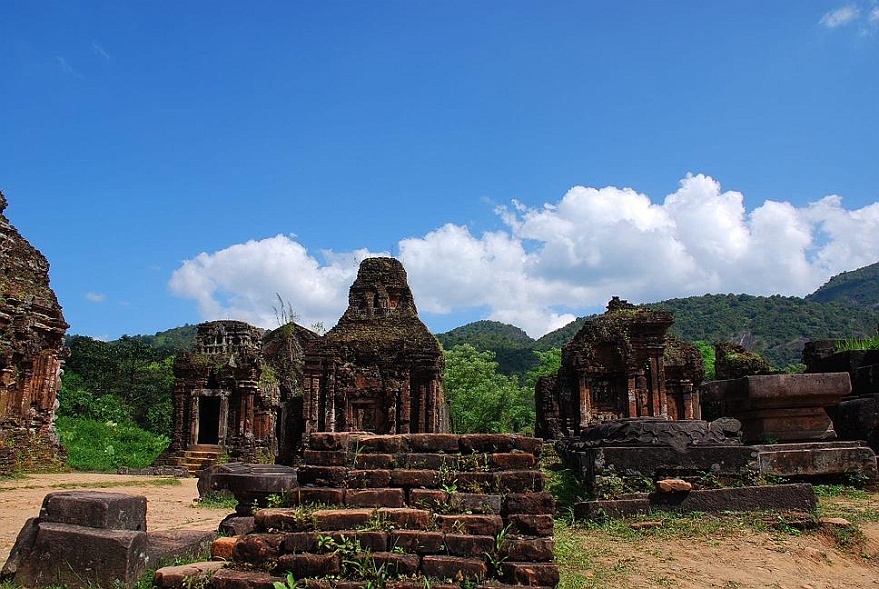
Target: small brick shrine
(620,364)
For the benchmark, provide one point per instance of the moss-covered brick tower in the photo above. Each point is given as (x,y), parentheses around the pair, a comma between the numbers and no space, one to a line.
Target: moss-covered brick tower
(32,331)
(380,369)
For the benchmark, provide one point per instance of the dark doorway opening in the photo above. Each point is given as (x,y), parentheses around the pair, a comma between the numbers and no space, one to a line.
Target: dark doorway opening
(209,420)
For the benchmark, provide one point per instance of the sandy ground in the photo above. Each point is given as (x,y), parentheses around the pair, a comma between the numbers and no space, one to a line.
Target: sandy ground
(758,560)
(168,506)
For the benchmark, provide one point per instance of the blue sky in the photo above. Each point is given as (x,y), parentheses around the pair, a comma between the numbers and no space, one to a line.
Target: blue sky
(184,161)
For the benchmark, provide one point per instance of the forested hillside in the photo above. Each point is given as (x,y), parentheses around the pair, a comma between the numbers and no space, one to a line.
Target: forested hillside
(858,287)
(512,346)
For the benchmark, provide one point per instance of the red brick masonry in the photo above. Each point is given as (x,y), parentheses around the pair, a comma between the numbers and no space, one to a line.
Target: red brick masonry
(403,512)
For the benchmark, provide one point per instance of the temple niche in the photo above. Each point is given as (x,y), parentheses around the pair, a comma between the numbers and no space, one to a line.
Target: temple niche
(620,364)
(379,369)
(224,397)
(32,331)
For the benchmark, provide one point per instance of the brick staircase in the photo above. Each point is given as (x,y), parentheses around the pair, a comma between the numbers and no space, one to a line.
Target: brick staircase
(195,459)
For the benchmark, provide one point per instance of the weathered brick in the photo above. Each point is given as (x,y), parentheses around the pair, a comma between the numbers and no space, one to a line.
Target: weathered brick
(405,517)
(290,519)
(371,540)
(428,498)
(359,479)
(299,542)
(397,564)
(536,549)
(476,482)
(417,541)
(519,481)
(531,573)
(420,584)
(469,545)
(475,503)
(527,444)
(327,441)
(325,495)
(221,548)
(484,525)
(383,444)
(310,565)
(321,476)
(186,575)
(341,519)
(415,478)
(257,548)
(427,461)
(240,579)
(374,497)
(433,443)
(374,461)
(530,525)
(530,503)
(513,460)
(489,443)
(324,458)
(453,567)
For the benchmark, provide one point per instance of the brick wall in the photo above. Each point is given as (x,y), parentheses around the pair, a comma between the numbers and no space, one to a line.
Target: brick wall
(404,512)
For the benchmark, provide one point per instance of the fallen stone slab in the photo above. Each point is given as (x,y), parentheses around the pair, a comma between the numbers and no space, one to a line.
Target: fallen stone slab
(792,497)
(95,509)
(819,459)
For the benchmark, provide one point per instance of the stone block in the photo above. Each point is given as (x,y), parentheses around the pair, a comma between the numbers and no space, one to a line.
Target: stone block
(186,575)
(325,495)
(482,525)
(24,543)
(530,503)
(327,441)
(818,459)
(171,545)
(392,444)
(476,482)
(256,549)
(341,519)
(397,564)
(95,509)
(531,573)
(299,542)
(386,497)
(512,461)
(528,549)
(427,461)
(488,443)
(447,443)
(80,556)
(359,479)
(227,578)
(374,461)
(291,519)
(430,479)
(427,498)
(237,525)
(454,567)
(406,518)
(310,565)
(417,541)
(469,545)
(475,503)
(530,525)
(222,548)
(325,458)
(796,497)
(520,481)
(322,476)
(369,540)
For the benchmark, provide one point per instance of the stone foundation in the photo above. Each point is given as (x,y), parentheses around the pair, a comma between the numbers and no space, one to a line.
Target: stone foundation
(411,510)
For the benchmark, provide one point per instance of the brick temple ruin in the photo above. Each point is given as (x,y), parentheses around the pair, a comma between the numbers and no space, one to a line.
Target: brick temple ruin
(32,331)
(253,396)
(379,369)
(622,364)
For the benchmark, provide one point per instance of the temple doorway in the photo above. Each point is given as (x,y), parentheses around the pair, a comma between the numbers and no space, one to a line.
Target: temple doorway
(209,420)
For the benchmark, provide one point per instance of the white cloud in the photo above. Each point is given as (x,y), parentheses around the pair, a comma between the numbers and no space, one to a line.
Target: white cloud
(98,50)
(561,259)
(873,17)
(244,280)
(66,67)
(95,297)
(841,16)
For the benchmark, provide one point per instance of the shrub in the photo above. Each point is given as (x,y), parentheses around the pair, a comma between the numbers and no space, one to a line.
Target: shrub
(97,445)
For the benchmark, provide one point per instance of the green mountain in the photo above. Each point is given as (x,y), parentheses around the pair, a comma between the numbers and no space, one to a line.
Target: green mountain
(512,346)
(171,341)
(858,287)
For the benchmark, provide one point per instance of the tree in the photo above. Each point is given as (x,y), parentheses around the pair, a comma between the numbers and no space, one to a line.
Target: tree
(480,399)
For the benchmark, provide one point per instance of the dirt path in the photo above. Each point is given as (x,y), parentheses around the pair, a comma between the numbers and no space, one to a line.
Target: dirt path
(169,506)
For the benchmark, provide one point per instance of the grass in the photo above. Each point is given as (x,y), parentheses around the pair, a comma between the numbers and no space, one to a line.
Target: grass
(105,446)
(854,344)
(217,500)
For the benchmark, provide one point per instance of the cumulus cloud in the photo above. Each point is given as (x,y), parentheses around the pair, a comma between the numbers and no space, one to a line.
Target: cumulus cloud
(863,16)
(95,297)
(245,280)
(561,259)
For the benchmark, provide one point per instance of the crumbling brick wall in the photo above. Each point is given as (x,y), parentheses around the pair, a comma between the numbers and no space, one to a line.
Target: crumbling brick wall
(404,510)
